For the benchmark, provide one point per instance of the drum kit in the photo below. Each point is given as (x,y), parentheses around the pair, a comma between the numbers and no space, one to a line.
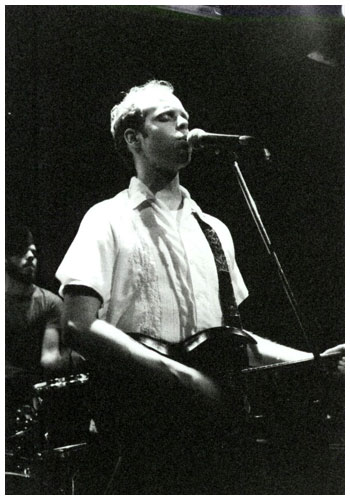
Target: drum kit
(47,438)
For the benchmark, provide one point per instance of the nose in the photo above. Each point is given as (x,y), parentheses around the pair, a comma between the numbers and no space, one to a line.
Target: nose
(182,123)
(30,256)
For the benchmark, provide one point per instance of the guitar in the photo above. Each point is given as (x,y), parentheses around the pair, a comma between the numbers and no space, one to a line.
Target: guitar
(215,343)
(219,352)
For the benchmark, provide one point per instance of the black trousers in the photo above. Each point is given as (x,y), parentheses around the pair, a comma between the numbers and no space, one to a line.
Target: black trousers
(167,439)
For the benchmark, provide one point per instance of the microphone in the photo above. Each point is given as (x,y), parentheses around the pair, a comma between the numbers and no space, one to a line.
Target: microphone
(197,138)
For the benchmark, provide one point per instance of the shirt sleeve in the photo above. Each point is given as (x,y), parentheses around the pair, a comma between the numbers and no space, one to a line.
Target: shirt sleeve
(54,312)
(90,259)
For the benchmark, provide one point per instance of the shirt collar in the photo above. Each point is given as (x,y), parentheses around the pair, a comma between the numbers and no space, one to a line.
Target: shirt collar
(139,192)
(188,200)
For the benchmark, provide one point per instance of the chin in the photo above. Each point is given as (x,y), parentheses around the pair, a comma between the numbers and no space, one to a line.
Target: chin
(182,166)
(185,164)
(185,161)
(28,277)
(28,280)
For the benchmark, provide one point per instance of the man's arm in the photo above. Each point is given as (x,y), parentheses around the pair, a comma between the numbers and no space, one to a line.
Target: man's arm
(57,358)
(98,340)
(268,352)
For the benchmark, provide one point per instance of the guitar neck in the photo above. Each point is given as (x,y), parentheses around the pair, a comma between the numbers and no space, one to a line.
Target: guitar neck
(287,364)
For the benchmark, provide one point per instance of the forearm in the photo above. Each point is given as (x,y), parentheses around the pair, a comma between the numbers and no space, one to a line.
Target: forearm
(108,344)
(268,352)
(105,345)
(61,360)
(55,360)
(118,346)
(101,342)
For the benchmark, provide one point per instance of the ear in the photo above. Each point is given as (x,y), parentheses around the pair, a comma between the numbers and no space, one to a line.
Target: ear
(131,138)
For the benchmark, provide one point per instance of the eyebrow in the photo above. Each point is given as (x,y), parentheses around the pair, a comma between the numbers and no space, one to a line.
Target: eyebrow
(172,109)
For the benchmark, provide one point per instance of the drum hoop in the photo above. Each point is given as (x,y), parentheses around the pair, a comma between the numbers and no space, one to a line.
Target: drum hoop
(18,474)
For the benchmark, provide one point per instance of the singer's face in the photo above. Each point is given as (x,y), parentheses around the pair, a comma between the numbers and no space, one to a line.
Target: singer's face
(163,143)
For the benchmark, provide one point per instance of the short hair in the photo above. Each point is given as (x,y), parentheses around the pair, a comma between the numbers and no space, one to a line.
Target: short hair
(18,237)
(129,114)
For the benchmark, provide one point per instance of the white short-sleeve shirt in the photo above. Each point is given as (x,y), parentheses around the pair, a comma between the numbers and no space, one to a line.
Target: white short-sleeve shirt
(152,267)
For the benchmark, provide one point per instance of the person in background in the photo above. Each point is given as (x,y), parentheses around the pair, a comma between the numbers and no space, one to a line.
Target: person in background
(33,346)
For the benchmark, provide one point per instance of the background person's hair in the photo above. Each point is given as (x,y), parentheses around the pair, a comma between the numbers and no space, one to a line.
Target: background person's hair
(18,238)
(128,113)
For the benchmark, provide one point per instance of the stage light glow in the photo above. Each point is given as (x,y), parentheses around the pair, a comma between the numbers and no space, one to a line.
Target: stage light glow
(197,10)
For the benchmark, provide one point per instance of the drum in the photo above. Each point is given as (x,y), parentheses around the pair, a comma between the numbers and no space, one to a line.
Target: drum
(23,436)
(46,442)
(22,476)
(64,410)
(22,484)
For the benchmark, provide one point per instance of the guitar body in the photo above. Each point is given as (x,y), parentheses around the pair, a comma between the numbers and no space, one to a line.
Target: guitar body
(218,352)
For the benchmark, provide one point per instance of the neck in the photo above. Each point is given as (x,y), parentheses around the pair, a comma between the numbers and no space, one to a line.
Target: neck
(16,287)
(165,187)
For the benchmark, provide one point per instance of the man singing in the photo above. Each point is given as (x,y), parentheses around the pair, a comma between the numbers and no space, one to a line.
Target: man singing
(151,264)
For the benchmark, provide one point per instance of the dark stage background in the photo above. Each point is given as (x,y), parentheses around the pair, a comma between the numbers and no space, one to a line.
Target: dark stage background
(242,72)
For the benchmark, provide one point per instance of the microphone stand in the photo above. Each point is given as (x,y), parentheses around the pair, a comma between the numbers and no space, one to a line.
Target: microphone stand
(269,247)
(317,407)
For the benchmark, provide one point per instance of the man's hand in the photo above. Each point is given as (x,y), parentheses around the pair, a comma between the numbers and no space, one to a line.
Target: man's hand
(339,349)
(341,366)
(77,360)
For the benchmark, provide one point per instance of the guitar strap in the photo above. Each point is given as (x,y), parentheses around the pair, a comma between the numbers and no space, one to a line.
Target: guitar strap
(226,293)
